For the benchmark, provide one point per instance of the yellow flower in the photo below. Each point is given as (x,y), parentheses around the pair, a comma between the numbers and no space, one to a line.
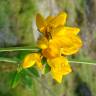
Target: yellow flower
(67,40)
(56,42)
(59,67)
(32,59)
(50,22)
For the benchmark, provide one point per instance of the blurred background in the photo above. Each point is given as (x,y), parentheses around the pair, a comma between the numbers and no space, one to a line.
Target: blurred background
(17,28)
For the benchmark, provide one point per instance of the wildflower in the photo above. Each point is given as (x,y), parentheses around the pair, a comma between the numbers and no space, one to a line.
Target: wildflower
(45,25)
(31,59)
(57,42)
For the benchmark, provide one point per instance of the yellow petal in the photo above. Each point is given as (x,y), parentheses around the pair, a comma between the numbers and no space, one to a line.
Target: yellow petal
(59,20)
(62,31)
(42,42)
(71,45)
(39,64)
(59,67)
(71,30)
(30,60)
(57,76)
(49,19)
(41,23)
(69,42)
(50,52)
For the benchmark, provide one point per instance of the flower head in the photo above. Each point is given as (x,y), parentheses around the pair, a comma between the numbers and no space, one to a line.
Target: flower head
(57,42)
(45,25)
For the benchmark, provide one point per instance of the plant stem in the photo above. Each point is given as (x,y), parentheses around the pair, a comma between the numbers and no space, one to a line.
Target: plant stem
(20,49)
(2,59)
(89,63)
(70,61)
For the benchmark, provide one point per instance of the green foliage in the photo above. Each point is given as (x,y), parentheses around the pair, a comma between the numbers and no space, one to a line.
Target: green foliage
(15,79)
(34,71)
(44,61)
(47,69)
(23,75)
(46,66)
(26,78)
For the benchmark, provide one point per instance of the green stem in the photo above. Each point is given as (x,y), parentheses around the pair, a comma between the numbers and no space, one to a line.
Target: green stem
(20,49)
(89,63)
(2,59)
(70,61)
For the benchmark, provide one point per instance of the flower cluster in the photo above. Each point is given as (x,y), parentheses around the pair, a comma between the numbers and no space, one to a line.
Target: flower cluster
(57,42)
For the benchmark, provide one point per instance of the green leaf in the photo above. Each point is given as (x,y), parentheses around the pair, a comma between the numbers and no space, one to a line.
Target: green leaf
(27,81)
(26,78)
(15,79)
(44,61)
(47,68)
(34,71)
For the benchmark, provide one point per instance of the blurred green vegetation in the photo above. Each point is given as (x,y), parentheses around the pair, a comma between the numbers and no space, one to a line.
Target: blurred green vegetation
(17,25)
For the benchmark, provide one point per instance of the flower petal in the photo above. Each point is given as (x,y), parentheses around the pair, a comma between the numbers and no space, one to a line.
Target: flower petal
(71,30)
(62,31)
(71,45)
(42,42)
(69,42)
(31,59)
(50,52)
(41,23)
(59,20)
(49,19)
(59,67)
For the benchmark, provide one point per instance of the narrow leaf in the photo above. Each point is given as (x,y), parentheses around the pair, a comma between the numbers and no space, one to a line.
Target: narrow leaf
(15,79)
(46,69)
(26,79)
(44,61)
(34,71)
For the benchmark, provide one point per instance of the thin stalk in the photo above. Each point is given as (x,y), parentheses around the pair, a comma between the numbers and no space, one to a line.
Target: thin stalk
(2,59)
(20,49)
(88,63)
